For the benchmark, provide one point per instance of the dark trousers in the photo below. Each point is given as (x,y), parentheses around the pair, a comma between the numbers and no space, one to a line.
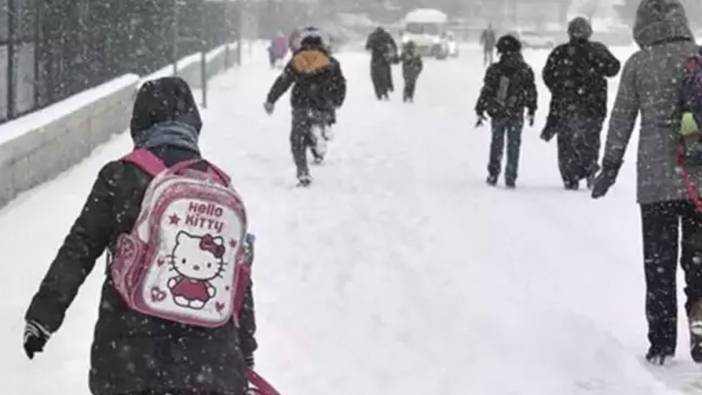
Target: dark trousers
(579,147)
(381,74)
(410,86)
(661,224)
(512,127)
(300,140)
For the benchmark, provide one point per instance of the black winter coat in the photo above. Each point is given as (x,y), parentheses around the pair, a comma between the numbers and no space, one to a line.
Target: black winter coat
(509,88)
(576,73)
(132,352)
(319,83)
(382,46)
(412,65)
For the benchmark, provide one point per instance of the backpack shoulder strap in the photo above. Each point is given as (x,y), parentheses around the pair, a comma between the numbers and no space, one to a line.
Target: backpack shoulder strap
(146,161)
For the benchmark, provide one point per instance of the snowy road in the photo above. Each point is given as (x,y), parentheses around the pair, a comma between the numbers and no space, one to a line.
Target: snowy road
(400,272)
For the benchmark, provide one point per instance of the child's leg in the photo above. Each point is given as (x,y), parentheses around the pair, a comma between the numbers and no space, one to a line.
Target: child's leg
(514,136)
(412,86)
(497,147)
(299,141)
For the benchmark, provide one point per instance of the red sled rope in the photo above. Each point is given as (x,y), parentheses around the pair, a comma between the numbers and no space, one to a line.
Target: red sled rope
(262,387)
(692,189)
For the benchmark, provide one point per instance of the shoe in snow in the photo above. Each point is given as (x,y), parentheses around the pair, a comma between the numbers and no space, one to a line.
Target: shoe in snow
(659,358)
(572,185)
(304,181)
(510,184)
(695,320)
(491,180)
(591,181)
(318,160)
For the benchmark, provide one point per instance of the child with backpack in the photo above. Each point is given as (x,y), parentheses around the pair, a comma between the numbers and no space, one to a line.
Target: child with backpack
(176,314)
(318,90)
(412,66)
(509,89)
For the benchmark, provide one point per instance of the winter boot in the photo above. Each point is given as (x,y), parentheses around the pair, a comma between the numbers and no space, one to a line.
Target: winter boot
(572,185)
(511,184)
(659,357)
(695,321)
(491,180)
(304,181)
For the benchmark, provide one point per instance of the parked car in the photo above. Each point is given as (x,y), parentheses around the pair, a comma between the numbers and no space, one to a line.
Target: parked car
(535,40)
(426,28)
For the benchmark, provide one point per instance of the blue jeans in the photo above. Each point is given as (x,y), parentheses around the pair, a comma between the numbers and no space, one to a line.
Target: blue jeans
(512,127)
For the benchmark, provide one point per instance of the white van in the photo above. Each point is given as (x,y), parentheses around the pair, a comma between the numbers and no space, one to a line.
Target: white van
(427,29)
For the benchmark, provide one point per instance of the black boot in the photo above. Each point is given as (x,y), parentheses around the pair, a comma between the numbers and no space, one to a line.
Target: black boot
(491,180)
(659,357)
(695,322)
(511,184)
(572,185)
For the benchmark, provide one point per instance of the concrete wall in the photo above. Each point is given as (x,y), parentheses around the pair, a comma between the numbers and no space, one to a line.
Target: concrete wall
(38,147)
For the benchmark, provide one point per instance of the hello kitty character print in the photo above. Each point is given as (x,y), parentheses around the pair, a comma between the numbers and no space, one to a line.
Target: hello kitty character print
(197,260)
(185,259)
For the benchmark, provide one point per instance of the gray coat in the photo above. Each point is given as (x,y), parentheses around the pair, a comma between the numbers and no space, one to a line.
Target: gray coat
(650,85)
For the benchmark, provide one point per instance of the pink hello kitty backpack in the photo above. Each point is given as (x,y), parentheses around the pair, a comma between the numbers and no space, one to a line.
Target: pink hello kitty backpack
(185,260)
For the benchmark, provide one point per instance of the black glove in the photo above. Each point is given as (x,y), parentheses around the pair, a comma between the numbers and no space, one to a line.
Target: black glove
(481,120)
(605,180)
(531,118)
(269,107)
(35,338)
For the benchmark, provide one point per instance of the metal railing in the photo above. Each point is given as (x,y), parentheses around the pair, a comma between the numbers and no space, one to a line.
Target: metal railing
(52,49)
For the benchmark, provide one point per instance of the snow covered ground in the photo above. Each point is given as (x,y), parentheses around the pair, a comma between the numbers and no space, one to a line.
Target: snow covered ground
(399,272)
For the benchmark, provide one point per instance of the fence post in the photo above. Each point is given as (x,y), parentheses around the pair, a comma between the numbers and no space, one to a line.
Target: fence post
(203,55)
(175,27)
(11,65)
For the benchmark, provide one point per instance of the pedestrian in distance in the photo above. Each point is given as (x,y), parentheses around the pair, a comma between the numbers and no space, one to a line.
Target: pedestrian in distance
(488,39)
(509,90)
(384,53)
(651,85)
(412,66)
(318,90)
(576,74)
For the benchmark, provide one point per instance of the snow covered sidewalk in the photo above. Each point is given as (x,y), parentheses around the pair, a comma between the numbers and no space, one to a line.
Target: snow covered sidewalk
(399,272)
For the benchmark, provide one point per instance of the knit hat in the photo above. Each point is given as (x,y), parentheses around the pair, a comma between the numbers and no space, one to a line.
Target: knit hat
(580,29)
(508,44)
(660,20)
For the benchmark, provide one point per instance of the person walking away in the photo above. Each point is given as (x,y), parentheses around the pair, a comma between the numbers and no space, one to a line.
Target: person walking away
(576,74)
(318,90)
(509,89)
(651,85)
(487,40)
(412,66)
(278,49)
(383,50)
(132,352)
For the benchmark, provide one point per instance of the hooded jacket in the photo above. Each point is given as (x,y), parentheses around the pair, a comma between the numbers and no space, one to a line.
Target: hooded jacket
(319,83)
(650,85)
(519,88)
(131,352)
(576,73)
